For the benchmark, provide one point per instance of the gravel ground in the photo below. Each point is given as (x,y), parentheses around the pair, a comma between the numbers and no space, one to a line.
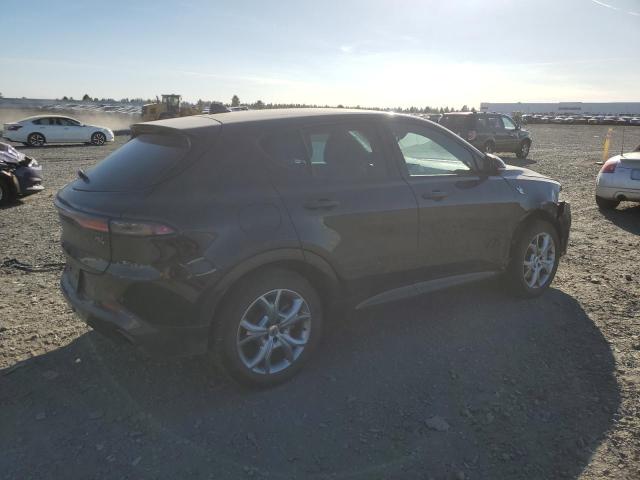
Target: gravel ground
(464,384)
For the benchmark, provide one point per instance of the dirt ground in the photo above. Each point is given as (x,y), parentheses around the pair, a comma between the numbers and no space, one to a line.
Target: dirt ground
(464,384)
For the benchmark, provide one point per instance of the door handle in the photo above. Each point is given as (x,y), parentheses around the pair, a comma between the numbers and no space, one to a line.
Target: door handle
(322,203)
(434,195)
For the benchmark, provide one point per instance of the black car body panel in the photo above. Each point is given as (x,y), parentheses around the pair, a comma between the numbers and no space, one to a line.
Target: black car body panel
(22,173)
(257,189)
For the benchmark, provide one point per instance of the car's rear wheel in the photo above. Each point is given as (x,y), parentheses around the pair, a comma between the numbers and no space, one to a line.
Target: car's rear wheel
(606,204)
(523,151)
(98,138)
(36,139)
(489,147)
(267,328)
(534,259)
(6,194)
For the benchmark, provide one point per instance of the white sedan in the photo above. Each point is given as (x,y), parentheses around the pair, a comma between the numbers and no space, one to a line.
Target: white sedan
(36,131)
(619,180)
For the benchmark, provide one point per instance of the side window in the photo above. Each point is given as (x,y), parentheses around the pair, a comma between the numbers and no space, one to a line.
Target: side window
(350,152)
(494,123)
(508,124)
(37,122)
(428,152)
(345,152)
(288,153)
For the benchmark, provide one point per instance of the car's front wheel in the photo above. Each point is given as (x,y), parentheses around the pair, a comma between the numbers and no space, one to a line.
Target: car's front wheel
(606,204)
(534,259)
(267,328)
(98,139)
(36,139)
(523,150)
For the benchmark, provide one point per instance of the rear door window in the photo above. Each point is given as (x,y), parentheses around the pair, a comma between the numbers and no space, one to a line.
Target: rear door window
(140,163)
(459,124)
(336,153)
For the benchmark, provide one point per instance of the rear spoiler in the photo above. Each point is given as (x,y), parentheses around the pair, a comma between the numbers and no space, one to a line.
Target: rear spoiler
(193,126)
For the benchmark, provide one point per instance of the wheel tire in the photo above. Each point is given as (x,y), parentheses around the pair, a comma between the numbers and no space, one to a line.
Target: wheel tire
(519,276)
(489,147)
(98,139)
(606,204)
(6,193)
(244,304)
(36,139)
(523,151)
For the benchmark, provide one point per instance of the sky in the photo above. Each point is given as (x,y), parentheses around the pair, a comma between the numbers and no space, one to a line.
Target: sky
(381,53)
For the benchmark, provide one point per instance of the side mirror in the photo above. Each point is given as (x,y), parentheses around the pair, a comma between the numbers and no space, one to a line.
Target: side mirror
(492,164)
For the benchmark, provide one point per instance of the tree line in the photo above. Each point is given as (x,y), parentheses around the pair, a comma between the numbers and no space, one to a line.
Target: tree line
(260,105)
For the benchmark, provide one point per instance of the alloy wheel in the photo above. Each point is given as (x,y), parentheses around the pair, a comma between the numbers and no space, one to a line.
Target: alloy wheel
(539,260)
(98,139)
(274,331)
(36,140)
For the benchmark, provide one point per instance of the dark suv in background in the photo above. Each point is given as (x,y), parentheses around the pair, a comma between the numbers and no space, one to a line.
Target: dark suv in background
(489,132)
(238,234)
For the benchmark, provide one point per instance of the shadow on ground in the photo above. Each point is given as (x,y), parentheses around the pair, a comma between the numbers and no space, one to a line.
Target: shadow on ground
(626,218)
(51,146)
(519,389)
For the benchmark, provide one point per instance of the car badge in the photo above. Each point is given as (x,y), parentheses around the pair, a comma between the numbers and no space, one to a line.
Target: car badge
(520,189)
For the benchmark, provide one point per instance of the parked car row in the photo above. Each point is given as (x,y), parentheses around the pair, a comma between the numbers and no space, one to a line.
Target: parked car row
(582,119)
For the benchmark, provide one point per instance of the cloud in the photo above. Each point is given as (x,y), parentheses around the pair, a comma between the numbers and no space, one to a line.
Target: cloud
(605,5)
(612,7)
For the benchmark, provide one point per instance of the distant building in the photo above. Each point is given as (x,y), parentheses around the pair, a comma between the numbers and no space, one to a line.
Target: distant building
(614,108)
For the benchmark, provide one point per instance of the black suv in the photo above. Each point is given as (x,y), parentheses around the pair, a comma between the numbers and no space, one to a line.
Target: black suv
(239,234)
(489,132)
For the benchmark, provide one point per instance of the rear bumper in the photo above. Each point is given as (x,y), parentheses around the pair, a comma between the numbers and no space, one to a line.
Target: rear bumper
(618,185)
(617,193)
(115,322)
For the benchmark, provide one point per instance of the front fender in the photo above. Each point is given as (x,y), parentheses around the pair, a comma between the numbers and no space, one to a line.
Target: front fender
(12,181)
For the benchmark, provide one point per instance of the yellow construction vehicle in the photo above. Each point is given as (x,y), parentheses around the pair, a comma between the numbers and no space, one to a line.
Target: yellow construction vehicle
(169,107)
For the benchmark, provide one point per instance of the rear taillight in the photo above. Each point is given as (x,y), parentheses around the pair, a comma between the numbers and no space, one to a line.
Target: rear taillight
(472,135)
(118,227)
(97,224)
(139,229)
(610,166)
(13,128)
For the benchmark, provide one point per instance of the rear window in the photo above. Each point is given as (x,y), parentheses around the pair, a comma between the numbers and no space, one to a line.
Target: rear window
(140,163)
(457,123)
